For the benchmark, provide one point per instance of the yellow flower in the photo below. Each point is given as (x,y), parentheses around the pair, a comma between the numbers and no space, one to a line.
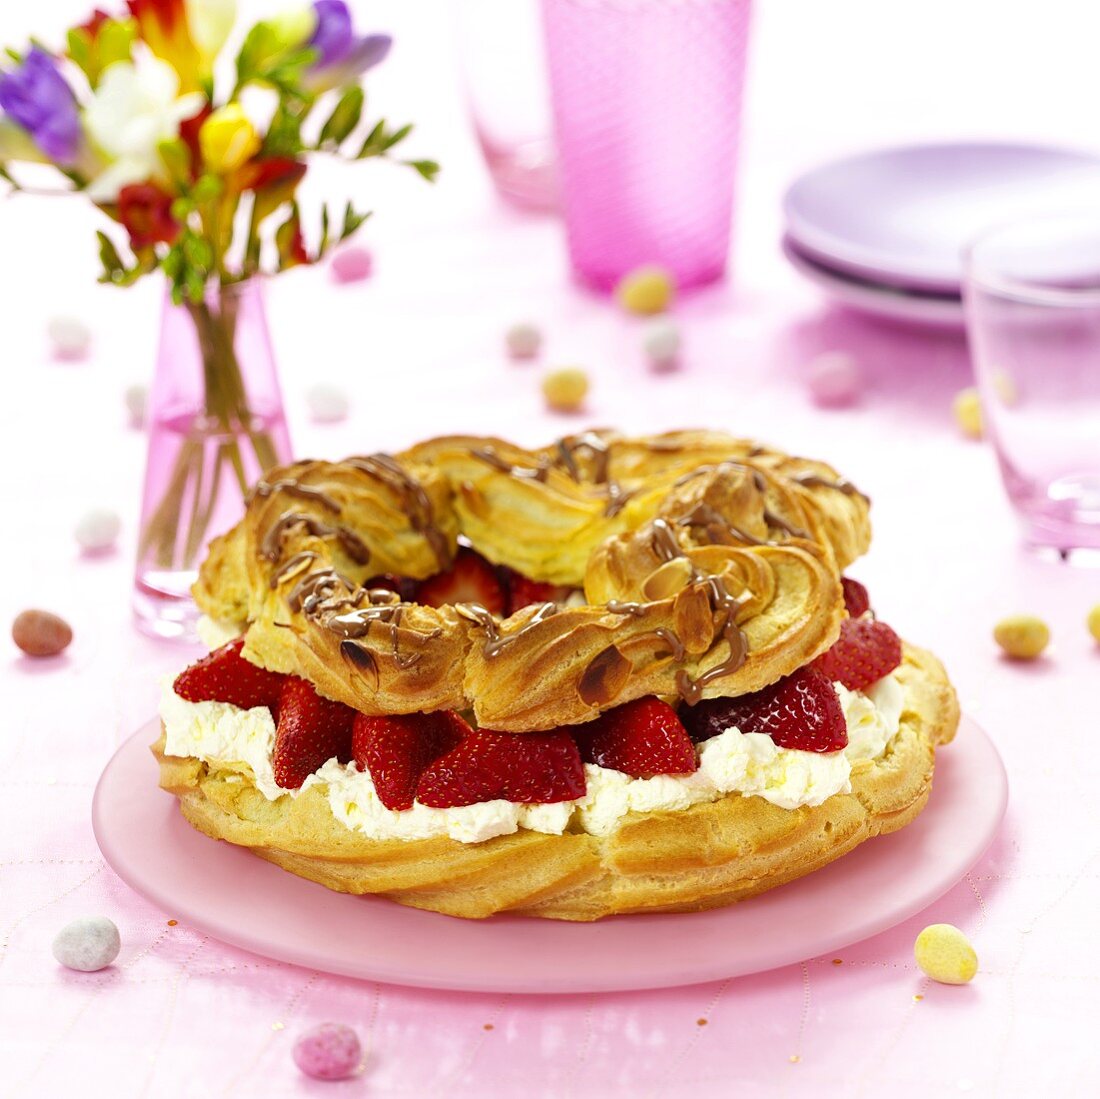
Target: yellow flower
(227,139)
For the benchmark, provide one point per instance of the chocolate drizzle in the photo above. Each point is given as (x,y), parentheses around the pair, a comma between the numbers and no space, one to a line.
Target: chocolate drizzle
(293,487)
(495,641)
(718,529)
(523,473)
(415,502)
(635,610)
(272,545)
(841,484)
(722,604)
(567,448)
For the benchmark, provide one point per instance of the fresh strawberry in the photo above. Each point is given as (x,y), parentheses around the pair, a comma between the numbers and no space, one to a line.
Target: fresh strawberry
(471,579)
(865,651)
(523,592)
(399,585)
(310,731)
(225,676)
(397,749)
(856,600)
(800,711)
(526,767)
(642,738)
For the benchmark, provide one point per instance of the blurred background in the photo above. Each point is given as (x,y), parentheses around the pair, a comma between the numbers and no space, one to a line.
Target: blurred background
(418,347)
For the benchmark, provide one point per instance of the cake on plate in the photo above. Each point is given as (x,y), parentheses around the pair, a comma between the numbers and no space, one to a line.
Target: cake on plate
(610,675)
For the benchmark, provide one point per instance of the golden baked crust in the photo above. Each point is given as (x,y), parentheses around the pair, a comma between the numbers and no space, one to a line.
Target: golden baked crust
(705,856)
(710,567)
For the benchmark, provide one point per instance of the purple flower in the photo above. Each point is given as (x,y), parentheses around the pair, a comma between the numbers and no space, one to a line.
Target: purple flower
(36,97)
(333,36)
(342,57)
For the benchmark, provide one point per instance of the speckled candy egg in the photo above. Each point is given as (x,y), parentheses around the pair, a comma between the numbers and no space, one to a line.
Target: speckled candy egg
(87,944)
(70,338)
(661,343)
(97,530)
(136,398)
(523,340)
(330,1051)
(328,404)
(648,289)
(351,265)
(834,379)
(945,954)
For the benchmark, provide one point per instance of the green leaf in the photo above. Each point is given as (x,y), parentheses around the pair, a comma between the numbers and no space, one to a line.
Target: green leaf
(322,246)
(284,134)
(177,160)
(344,118)
(109,257)
(115,41)
(9,178)
(429,169)
(374,143)
(79,44)
(352,221)
(397,135)
(15,55)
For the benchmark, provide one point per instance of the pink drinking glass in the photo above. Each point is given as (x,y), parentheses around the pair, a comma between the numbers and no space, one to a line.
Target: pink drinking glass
(1032,292)
(215,423)
(646,97)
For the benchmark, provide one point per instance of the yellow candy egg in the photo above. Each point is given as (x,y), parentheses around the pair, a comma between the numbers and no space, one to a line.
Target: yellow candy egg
(1022,636)
(1093,621)
(565,389)
(968,412)
(945,954)
(645,290)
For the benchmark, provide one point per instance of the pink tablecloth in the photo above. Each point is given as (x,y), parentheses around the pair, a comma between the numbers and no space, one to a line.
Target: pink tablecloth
(419,348)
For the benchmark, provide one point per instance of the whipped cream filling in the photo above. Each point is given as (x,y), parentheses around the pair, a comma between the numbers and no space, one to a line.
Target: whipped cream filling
(214,633)
(750,764)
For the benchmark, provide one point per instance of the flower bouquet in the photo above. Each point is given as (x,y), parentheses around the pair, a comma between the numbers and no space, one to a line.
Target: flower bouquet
(198,155)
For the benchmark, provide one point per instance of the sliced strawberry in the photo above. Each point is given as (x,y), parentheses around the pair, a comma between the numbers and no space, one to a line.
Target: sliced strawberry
(399,585)
(523,592)
(800,711)
(865,651)
(225,676)
(856,600)
(641,738)
(310,731)
(471,579)
(525,767)
(397,749)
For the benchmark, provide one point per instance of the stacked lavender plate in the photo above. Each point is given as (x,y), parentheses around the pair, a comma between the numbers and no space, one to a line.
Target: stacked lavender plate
(884,232)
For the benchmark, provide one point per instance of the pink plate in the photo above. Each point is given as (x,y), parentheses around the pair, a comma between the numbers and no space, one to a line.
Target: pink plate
(226,892)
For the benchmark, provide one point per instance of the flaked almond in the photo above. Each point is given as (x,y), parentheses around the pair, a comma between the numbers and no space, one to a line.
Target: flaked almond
(474,499)
(40,633)
(672,577)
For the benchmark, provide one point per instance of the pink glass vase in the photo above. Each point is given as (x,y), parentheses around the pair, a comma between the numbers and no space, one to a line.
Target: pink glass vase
(215,423)
(646,99)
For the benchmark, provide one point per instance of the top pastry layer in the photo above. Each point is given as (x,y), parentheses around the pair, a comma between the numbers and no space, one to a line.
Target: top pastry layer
(709,566)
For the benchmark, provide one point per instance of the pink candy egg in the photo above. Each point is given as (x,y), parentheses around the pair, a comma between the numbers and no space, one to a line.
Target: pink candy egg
(834,379)
(351,265)
(330,1051)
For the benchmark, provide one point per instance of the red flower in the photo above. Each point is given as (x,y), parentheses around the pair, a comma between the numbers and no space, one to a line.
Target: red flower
(166,14)
(189,135)
(93,25)
(146,212)
(272,172)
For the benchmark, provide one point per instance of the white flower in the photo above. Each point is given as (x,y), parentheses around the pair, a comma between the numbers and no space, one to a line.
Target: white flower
(136,106)
(210,22)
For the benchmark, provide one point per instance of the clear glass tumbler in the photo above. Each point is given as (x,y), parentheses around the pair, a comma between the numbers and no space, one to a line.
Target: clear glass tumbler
(1032,292)
(646,96)
(503,61)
